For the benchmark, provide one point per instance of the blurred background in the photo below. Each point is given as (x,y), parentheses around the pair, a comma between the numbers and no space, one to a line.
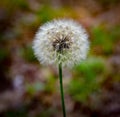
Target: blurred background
(28,89)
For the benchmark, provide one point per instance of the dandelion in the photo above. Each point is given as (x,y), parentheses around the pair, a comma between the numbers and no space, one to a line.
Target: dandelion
(62,42)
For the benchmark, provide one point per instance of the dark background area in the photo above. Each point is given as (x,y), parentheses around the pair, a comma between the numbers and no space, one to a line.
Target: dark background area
(28,89)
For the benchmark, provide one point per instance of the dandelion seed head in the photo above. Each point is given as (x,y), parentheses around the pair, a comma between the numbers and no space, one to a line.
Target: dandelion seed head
(61,41)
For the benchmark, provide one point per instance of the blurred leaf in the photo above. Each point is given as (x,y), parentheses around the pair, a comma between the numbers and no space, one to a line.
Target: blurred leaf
(46,113)
(102,38)
(50,85)
(33,88)
(28,54)
(86,79)
(47,13)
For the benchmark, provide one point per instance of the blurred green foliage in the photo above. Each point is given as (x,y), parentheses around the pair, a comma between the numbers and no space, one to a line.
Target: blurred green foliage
(105,38)
(88,78)
(46,113)
(32,89)
(50,85)
(47,13)
(28,54)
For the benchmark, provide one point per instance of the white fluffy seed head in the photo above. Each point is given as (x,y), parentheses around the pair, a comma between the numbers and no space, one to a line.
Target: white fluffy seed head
(61,41)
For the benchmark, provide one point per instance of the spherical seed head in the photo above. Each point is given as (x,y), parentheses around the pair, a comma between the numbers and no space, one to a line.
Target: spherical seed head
(61,41)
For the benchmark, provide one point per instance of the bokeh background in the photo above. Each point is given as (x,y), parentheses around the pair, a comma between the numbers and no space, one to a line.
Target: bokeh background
(28,89)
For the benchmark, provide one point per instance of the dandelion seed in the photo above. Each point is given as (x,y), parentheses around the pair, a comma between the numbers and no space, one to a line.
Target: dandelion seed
(61,41)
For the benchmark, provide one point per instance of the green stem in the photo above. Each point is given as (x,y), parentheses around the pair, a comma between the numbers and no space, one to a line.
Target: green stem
(61,90)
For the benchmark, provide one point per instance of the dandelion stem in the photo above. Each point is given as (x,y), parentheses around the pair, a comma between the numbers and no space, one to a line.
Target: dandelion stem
(61,90)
